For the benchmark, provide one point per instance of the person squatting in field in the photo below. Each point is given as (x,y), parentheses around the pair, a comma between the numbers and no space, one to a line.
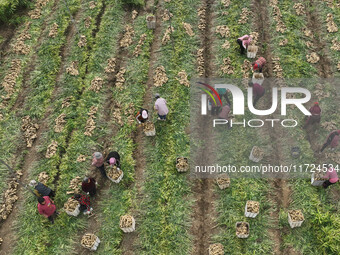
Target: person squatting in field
(47,208)
(332,140)
(259,64)
(244,42)
(224,114)
(258,91)
(85,204)
(89,186)
(40,189)
(113,158)
(215,108)
(142,115)
(315,118)
(331,176)
(161,107)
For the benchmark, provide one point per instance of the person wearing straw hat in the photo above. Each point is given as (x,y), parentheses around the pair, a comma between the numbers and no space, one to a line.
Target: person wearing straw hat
(315,110)
(142,115)
(244,42)
(98,161)
(41,189)
(113,158)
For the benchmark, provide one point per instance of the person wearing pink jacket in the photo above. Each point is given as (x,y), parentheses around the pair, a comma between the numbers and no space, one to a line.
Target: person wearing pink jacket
(331,176)
(244,42)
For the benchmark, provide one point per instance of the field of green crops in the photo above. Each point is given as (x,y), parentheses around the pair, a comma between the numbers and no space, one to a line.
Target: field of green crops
(74,74)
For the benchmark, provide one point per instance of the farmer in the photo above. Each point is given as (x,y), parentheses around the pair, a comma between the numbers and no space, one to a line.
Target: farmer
(215,108)
(40,189)
(142,116)
(332,140)
(98,161)
(331,176)
(47,208)
(224,114)
(244,42)
(315,110)
(258,92)
(259,64)
(160,107)
(224,92)
(113,158)
(89,186)
(84,202)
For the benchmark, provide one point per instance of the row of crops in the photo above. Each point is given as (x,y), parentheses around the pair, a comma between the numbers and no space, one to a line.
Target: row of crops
(85,99)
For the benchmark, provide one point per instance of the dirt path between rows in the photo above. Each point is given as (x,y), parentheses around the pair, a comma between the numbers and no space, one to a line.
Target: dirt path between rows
(204,217)
(281,191)
(7,232)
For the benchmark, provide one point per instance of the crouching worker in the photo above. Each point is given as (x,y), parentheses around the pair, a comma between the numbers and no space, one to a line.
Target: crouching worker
(84,201)
(259,64)
(40,189)
(244,42)
(89,186)
(224,114)
(331,176)
(142,116)
(113,159)
(47,208)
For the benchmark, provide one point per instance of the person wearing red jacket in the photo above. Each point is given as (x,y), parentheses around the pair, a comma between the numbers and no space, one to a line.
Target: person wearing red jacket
(85,204)
(332,140)
(89,186)
(315,110)
(259,64)
(47,208)
(258,92)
